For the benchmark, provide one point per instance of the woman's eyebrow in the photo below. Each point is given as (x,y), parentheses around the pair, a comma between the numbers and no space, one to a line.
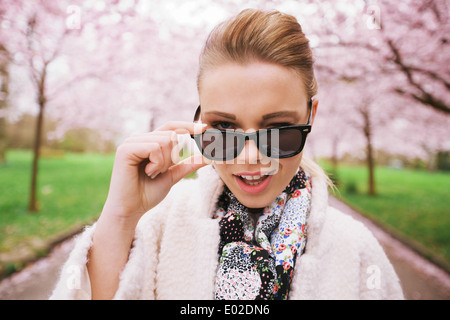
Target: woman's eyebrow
(222,114)
(291,114)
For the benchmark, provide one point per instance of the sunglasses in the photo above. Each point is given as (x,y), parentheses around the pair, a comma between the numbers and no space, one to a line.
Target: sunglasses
(280,142)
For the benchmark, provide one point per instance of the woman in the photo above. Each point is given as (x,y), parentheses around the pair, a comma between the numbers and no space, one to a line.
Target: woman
(255,224)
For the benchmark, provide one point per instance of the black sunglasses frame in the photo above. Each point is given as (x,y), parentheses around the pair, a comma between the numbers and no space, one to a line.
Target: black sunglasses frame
(242,137)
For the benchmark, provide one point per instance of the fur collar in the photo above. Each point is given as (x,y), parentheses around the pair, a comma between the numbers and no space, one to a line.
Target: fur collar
(211,187)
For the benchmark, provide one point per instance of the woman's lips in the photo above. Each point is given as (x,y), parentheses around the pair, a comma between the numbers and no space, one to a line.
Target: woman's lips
(253,182)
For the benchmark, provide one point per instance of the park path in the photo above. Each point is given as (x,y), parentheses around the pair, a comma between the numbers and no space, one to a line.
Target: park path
(421,280)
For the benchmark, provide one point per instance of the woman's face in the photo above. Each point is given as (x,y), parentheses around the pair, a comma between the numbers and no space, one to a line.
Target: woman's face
(250,97)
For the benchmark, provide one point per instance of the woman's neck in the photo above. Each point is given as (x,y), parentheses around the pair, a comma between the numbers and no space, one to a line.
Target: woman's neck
(255,211)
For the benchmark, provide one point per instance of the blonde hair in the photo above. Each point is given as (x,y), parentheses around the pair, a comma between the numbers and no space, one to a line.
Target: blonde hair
(270,36)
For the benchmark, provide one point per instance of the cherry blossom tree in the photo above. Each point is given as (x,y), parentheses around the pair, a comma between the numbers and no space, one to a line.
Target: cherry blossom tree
(98,66)
(4,92)
(127,66)
(38,34)
(419,49)
(26,26)
(379,85)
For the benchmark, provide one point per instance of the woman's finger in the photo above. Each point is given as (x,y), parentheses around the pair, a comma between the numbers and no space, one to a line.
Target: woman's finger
(167,151)
(187,166)
(165,157)
(156,164)
(160,136)
(134,153)
(183,127)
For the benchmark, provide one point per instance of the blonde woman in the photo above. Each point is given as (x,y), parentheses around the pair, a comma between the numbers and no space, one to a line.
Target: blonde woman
(255,223)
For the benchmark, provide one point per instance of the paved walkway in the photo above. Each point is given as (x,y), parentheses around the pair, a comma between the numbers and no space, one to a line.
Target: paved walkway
(36,281)
(421,280)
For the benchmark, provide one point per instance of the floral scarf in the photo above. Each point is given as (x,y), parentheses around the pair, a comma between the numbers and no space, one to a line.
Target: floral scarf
(257,256)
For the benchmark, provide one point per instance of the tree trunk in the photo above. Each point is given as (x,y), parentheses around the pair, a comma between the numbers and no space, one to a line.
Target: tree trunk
(334,157)
(33,204)
(371,167)
(370,154)
(3,142)
(4,91)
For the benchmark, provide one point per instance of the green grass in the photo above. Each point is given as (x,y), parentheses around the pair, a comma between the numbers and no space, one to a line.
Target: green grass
(413,202)
(71,191)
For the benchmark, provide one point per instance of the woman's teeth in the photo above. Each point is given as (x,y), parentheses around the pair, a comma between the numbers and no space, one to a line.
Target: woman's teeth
(254,179)
(251,177)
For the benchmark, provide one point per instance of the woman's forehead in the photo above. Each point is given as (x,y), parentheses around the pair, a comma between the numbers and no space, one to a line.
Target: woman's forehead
(254,88)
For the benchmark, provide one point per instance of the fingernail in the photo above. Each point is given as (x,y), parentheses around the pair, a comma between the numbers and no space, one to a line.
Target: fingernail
(154,175)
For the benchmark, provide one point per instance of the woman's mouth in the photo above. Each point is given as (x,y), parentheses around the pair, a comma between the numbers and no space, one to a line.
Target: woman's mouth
(253,182)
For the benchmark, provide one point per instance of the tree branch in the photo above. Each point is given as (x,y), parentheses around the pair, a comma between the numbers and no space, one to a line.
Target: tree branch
(425,97)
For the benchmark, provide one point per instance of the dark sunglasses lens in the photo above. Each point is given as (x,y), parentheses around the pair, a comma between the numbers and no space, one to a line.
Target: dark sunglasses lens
(219,145)
(226,145)
(280,143)
(290,141)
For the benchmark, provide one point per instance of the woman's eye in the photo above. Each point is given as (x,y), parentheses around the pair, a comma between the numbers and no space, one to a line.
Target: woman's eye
(222,125)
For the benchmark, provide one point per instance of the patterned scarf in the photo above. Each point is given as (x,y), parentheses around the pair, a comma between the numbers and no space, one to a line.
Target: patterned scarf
(257,256)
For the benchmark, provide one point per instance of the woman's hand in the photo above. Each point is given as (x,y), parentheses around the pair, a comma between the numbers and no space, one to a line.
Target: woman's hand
(146,167)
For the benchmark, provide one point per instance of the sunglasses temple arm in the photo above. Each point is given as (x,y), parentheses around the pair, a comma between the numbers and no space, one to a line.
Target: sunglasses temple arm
(197,114)
(310,112)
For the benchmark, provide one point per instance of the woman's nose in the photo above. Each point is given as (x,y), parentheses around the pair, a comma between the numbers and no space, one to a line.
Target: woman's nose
(249,154)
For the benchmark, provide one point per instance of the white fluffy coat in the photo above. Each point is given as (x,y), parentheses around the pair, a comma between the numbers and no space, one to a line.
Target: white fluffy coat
(174,253)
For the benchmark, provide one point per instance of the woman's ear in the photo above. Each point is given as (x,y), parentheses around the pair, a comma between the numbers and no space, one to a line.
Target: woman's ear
(315,104)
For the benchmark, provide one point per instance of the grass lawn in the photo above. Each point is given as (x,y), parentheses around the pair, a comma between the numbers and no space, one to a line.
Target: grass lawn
(71,191)
(414,202)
